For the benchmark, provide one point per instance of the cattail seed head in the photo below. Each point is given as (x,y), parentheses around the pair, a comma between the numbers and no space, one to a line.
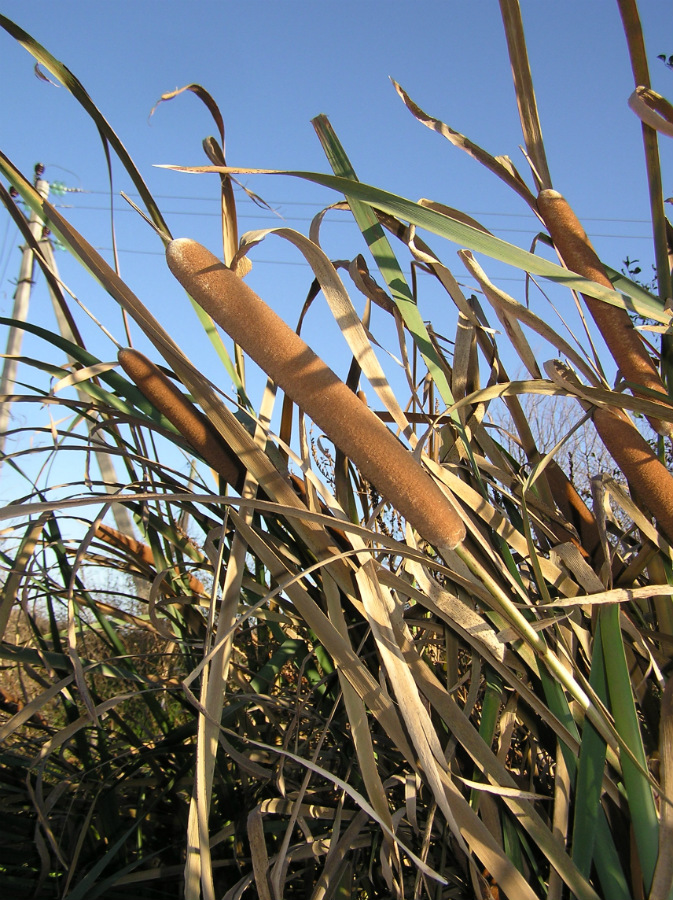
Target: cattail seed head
(646,474)
(574,509)
(624,342)
(318,391)
(180,412)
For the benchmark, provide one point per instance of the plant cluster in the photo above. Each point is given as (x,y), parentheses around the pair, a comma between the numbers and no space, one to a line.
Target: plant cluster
(388,650)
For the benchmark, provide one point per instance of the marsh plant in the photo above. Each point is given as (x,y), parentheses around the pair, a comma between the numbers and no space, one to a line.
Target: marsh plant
(427,666)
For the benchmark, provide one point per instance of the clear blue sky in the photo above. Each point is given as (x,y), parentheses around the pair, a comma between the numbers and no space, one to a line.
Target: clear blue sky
(272,66)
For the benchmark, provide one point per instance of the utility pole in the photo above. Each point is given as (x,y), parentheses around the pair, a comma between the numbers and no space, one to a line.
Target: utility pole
(20,312)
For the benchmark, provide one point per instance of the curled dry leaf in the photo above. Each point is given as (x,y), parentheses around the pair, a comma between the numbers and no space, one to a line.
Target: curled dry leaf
(652,109)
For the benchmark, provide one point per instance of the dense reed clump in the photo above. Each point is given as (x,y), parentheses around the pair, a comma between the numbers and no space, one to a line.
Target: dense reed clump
(228,672)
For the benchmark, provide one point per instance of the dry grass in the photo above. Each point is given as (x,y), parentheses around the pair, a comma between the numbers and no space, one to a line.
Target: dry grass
(264,690)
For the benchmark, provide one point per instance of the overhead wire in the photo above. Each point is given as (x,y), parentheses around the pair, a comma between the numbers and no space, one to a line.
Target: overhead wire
(266,218)
(280,219)
(281,203)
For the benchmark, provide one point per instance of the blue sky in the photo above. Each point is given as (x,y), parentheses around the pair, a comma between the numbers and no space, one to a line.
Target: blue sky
(272,66)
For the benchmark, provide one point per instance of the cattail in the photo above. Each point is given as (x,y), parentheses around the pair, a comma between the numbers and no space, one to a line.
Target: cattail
(574,509)
(181,413)
(646,474)
(315,388)
(142,553)
(622,339)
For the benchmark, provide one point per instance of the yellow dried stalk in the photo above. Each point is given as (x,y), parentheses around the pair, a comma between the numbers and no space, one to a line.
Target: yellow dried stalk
(317,390)
(181,413)
(622,339)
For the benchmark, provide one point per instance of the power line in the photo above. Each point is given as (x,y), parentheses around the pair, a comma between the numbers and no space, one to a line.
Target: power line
(242,198)
(280,203)
(266,262)
(281,219)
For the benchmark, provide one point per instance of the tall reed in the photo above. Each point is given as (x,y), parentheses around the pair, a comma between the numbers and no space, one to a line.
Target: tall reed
(231,697)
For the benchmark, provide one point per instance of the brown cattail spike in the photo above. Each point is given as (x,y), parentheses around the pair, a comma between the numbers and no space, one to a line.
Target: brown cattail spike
(574,509)
(142,553)
(646,474)
(624,342)
(314,387)
(191,423)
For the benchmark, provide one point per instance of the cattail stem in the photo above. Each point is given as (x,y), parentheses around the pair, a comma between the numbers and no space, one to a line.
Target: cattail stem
(181,413)
(622,339)
(314,387)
